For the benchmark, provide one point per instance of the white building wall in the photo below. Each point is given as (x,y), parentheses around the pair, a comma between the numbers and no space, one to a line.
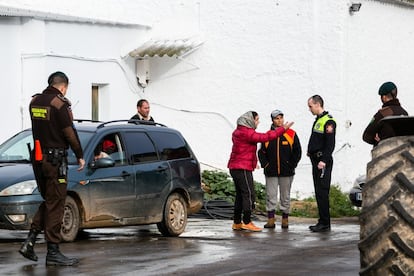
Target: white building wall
(10,78)
(257,55)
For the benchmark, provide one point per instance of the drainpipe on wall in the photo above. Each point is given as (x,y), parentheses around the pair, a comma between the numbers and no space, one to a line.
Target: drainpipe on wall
(142,71)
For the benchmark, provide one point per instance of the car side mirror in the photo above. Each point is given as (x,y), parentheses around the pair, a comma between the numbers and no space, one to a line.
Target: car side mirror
(102,163)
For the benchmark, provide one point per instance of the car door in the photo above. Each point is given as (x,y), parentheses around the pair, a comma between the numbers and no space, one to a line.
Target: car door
(112,189)
(152,176)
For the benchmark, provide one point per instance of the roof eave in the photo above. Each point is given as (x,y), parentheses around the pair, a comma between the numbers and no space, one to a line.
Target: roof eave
(51,16)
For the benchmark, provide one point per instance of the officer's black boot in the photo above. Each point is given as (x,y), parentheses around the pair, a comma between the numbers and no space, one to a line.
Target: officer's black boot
(55,257)
(27,248)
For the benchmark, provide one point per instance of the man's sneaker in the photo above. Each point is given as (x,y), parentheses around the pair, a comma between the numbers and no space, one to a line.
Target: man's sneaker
(251,227)
(237,226)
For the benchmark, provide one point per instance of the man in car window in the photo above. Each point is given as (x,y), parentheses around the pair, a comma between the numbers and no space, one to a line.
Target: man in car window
(104,149)
(53,133)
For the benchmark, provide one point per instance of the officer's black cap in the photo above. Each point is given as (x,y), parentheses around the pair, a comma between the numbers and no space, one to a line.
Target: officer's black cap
(387,88)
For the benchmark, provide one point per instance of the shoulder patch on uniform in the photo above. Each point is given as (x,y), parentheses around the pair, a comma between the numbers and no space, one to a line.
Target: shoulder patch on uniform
(63,98)
(58,102)
(386,111)
(329,128)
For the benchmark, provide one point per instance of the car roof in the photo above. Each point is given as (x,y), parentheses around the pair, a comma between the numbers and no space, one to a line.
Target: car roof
(97,126)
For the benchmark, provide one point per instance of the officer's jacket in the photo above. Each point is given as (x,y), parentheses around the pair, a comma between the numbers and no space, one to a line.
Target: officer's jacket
(389,108)
(52,121)
(243,154)
(280,157)
(322,140)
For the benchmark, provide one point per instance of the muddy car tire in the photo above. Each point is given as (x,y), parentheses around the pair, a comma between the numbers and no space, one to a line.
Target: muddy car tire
(387,218)
(174,217)
(70,221)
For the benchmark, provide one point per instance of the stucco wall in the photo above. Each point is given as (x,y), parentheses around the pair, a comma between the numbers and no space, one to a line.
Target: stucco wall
(257,55)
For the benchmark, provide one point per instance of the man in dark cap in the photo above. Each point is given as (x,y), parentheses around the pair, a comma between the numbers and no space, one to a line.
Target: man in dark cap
(390,107)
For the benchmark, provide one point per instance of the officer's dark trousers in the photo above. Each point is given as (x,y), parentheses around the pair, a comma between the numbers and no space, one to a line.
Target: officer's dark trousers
(245,195)
(50,213)
(322,186)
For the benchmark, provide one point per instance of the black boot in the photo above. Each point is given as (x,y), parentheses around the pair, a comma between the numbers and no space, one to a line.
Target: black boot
(55,257)
(27,249)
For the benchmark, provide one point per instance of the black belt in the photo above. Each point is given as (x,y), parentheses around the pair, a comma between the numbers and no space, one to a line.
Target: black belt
(55,155)
(55,151)
(316,154)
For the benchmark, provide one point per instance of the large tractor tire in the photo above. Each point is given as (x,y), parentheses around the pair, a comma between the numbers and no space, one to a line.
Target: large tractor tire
(387,218)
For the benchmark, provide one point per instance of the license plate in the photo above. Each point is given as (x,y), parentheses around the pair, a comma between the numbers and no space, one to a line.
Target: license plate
(358,196)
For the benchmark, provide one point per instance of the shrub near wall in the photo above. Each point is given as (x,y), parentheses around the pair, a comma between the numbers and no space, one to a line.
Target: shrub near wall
(219,185)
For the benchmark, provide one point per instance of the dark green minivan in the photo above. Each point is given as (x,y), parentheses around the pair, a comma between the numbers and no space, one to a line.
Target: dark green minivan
(137,173)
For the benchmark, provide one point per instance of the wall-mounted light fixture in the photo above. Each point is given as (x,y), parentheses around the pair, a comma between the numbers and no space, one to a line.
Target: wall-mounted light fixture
(354,7)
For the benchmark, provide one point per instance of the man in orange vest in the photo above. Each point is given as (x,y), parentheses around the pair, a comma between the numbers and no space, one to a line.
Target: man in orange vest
(279,158)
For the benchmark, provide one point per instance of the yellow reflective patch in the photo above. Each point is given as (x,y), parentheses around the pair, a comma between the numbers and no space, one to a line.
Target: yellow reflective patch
(62,180)
(39,113)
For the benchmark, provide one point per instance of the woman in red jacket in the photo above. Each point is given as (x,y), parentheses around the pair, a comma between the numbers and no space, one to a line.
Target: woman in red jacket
(243,160)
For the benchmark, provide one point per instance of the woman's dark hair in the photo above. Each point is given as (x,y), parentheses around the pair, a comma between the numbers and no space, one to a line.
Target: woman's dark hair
(254,113)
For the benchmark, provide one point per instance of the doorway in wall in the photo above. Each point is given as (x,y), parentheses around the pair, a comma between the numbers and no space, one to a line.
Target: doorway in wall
(95,103)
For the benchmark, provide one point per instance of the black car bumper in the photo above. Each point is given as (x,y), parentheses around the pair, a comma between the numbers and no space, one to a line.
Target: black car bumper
(17,212)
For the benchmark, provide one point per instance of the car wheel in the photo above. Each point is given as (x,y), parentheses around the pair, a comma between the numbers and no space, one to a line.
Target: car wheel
(71,220)
(387,222)
(175,216)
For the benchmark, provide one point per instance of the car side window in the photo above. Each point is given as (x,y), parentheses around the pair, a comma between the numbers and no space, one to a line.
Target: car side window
(140,148)
(170,146)
(16,148)
(110,146)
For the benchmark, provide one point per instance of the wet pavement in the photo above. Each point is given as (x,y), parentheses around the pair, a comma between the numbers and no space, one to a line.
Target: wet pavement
(208,247)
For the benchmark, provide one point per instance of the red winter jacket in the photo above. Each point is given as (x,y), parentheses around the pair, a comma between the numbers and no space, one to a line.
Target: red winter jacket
(243,154)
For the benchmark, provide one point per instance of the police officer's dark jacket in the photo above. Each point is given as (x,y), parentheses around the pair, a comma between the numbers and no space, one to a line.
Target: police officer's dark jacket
(390,108)
(52,121)
(322,140)
(280,157)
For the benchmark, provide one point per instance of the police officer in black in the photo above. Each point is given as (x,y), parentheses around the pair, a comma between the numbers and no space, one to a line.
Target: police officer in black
(391,106)
(320,148)
(53,132)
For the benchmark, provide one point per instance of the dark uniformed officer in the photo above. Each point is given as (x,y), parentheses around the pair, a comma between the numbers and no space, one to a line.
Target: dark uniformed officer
(53,132)
(320,148)
(390,107)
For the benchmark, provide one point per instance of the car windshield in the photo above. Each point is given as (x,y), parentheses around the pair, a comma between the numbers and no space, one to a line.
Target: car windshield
(16,148)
